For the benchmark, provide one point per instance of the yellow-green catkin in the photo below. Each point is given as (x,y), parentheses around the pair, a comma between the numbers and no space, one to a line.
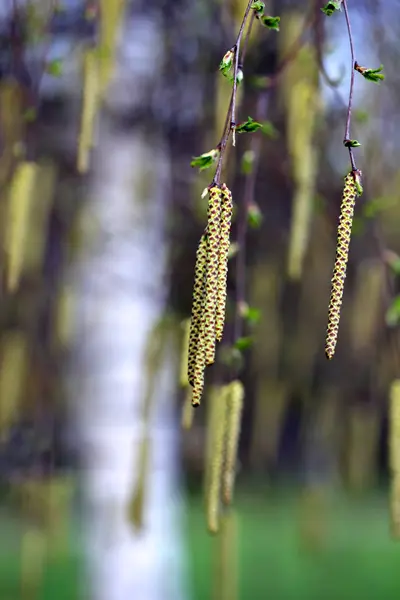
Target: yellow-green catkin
(216,459)
(20,199)
(89,108)
(226,219)
(196,344)
(394,456)
(234,400)
(213,251)
(352,189)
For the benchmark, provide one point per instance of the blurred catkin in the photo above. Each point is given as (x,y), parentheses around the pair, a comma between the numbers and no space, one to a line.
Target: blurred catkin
(351,189)
(216,459)
(13,368)
(18,220)
(89,108)
(226,559)
(111,13)
(234,409)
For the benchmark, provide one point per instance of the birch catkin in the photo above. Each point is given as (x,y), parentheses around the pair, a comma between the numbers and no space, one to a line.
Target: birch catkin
(209,291)
(234,400)
(226,219)
(352,188)
(213,250)
(216,460)
(197,306)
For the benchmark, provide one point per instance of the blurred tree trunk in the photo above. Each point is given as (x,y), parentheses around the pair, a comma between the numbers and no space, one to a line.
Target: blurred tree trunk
(121,296)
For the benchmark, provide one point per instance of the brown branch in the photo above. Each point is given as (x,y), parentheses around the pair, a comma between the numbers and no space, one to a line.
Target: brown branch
(349,107)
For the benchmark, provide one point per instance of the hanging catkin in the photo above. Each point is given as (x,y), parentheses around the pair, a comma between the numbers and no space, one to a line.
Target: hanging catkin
(20,200)
(209,291)
(216,459)
(394,456)
(197,306)
(234,400)
(226,218)
(352,188)
(213,251)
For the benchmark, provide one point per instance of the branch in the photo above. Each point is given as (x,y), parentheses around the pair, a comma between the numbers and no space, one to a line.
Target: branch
(347,139)
(231,115)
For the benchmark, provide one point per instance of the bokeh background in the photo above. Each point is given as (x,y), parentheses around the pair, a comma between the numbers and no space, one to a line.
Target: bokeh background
(102,107)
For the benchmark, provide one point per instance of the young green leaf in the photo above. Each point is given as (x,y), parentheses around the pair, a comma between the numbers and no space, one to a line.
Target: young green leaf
(254,216)
(248,162)
(243,343)
(239,76)
(351,143)
(269,130)
(250,314)
(54,68)
(270,22)
(226,63)
(258,6)
(249,126)
(206,160)
(394,264)
(374,75)
(393,313)
(331,7)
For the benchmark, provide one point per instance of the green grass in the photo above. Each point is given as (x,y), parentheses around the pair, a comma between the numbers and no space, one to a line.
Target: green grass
(358,561)
(61,577)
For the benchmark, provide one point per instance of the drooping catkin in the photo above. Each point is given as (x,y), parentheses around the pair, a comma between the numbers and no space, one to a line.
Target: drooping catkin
(16,229)
(352,188)
(394,456)
(226,219)
(213,251)
(226,559)
(234,400)
(197,306)
(216,459)
(198,373)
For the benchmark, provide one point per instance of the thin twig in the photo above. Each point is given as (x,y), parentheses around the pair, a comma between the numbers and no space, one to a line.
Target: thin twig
(232,106)
(349,107)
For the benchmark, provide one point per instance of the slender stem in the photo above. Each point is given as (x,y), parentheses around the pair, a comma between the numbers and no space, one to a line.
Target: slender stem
(232,106)
(349,107)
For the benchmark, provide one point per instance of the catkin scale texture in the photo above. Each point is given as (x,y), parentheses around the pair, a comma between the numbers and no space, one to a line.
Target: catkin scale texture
(340,267)
(213,244)
(197,306)
(226,219)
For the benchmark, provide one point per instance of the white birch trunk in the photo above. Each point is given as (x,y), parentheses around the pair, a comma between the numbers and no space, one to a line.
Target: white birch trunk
(121,295)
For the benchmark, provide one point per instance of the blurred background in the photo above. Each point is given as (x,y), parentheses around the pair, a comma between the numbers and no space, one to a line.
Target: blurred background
(103,105)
